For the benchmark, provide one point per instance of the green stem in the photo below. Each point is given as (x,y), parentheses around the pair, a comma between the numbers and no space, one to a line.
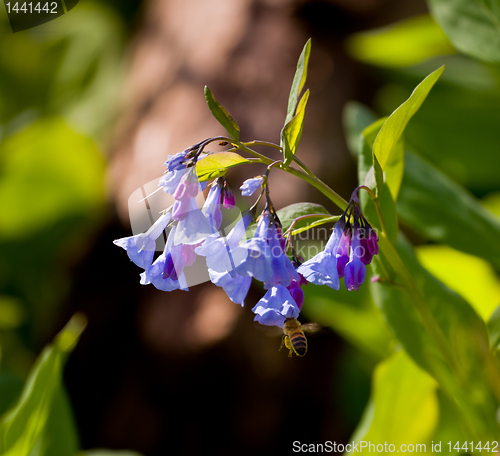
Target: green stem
(270,144)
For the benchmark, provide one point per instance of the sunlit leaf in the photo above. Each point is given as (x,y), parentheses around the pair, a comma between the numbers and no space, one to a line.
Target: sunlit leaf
(403,407)
(366,174)
(462,329)
(353,316)
(292,132)
(471,25)
(470,276)
(400,45)
(216,165)
(24,424)
(298,82)
(394,126)
(222,115)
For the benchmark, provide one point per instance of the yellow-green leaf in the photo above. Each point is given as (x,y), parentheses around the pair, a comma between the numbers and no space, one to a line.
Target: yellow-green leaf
(292,132)
(394,126)
(222,115)
(216,165)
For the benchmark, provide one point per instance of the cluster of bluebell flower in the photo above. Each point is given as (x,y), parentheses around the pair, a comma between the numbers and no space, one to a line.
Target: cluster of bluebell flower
(351,246)
(232,260)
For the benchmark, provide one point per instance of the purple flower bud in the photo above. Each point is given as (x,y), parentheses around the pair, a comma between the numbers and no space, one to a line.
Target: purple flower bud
(228,197)
(342,253)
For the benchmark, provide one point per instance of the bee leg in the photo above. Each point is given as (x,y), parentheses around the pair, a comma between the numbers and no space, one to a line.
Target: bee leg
(290,353)
(282,342)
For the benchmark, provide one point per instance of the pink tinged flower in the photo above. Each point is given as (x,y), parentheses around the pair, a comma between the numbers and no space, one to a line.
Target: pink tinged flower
(189,185)
(276,305)
(140,248)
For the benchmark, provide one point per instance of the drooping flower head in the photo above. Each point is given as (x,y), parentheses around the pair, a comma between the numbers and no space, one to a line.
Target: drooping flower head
(141,247)
(351,246)
(251,185)
(266,260)
(276,305)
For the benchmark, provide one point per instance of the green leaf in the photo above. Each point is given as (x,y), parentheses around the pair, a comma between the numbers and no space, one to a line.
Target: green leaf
(473,26)
(10,389)
(289,213)
(402,44)
(25,423)
(47,158)
(222,115)
(463,330)
(298,81)
(441,210)
(368,177)
(470,276)
(352,315)
(403,407)
(60,436)
(494,328)
(292,132)
(216,165)
(394,126)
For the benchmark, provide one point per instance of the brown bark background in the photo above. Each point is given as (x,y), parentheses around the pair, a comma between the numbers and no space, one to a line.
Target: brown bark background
(189,373)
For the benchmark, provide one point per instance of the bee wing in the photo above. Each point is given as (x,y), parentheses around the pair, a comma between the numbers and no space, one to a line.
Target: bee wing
(311,328)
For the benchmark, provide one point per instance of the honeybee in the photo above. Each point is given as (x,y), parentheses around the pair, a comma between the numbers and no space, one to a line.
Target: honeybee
(294,338)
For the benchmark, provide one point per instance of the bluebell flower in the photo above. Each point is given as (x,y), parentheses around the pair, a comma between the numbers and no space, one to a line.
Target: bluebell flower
(193,226)
(251,185)
(234,285)
(276,305)
(167,272)
(351,246)
(266,260)
(355,270)
(141,247)
(223,255)
(212,207)
(322,268)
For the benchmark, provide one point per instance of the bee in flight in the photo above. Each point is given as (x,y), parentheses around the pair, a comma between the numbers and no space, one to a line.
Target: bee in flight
(294,338)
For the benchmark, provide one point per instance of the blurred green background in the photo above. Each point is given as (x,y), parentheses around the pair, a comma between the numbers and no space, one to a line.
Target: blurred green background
(61,95)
